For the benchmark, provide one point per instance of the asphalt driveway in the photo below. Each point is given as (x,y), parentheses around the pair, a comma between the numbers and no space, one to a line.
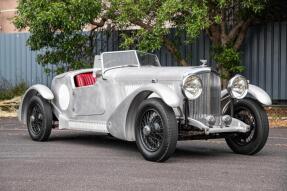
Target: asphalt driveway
(84,161)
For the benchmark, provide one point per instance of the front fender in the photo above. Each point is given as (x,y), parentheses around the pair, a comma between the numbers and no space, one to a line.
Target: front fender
(259,94)
(255,92)
(44,91)
(165,93)
(121,121)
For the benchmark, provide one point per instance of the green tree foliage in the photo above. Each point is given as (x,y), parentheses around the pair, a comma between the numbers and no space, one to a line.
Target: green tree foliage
(225,21)
(229,22)
(229,60)
(155,19)
(57,28)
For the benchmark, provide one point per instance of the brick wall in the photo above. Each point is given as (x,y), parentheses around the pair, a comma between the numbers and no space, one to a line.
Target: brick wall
(6,25)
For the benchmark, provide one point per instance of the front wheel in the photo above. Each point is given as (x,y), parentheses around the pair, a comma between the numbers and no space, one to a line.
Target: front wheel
(252,113)
(156,130)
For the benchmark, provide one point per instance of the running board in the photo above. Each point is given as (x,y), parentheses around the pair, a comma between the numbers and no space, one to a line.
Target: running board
(95,126)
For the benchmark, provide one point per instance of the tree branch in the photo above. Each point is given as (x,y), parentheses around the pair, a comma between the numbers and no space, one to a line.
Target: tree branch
(234,31)
(214,34)
(142,24)
(173,50)
(167,43)
(101,23)
(242,33)
(222,27)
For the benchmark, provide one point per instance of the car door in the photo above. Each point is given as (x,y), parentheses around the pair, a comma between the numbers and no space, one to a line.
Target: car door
(89,100)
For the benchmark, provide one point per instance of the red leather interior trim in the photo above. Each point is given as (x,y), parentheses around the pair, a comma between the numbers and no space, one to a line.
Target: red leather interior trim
(85,79)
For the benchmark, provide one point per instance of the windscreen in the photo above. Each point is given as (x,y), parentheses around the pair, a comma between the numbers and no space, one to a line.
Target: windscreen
(129,58)
(147,59)
(121,58)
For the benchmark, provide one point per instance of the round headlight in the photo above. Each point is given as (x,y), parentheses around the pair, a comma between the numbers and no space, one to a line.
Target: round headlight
(192,87)
(237,87)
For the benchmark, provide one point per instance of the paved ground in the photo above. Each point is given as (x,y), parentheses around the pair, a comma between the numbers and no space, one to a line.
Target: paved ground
(80,161)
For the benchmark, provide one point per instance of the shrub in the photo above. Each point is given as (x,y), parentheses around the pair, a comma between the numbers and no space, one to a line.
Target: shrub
(11,92)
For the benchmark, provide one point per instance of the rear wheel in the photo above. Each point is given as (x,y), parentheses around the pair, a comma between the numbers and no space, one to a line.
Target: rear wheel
(156,130)
(39,119)
(253,114)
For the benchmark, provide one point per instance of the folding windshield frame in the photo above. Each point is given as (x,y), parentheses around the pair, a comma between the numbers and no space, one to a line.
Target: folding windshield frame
(114,52)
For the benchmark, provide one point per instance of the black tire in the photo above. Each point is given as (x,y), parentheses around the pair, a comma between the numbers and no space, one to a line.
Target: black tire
(39,119)
(161,120)
(253,114)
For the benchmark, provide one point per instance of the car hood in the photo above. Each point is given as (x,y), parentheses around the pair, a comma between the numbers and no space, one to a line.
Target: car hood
(153,73)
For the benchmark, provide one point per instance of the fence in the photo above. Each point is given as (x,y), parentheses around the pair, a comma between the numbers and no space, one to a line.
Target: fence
(265,58)
(263,54)
(18,62)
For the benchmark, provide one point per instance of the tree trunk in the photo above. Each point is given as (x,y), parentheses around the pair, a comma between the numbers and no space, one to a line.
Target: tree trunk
(224,83)
(167,43)
(241,35)
(175,52)
(224,78)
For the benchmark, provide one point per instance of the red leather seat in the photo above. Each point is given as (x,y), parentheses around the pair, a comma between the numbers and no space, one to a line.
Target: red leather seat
(85,79)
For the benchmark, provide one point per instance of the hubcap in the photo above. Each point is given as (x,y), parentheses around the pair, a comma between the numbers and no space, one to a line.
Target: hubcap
(146,130)
(151,130)
(32,118)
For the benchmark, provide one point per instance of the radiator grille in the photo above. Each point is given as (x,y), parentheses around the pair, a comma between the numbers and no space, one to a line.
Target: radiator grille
(208,102)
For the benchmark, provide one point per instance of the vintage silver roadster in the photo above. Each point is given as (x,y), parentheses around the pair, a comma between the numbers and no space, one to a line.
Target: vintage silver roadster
(131,97)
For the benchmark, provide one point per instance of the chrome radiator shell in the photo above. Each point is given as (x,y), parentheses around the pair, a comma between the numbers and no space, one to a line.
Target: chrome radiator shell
(208,102)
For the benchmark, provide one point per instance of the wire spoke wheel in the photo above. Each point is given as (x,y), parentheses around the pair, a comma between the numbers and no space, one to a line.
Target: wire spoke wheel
(151,130)
(156,130)
(36,119)
(252,113)
(245,115)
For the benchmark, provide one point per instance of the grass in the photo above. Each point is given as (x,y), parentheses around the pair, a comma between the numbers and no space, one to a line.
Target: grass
(277,116)
(9,93)
(10,99)
(8,108)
